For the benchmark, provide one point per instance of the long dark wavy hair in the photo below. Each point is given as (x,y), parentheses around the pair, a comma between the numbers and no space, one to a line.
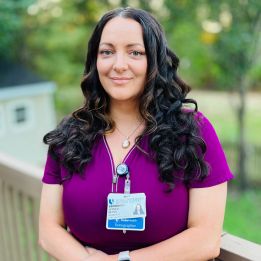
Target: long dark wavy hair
(174,136)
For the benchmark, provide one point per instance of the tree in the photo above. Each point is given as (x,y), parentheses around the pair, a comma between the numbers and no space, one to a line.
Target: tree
(222,41)
(12,29)
(238,54)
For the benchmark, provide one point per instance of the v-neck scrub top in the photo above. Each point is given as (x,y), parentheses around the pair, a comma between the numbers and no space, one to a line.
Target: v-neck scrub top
(84,198)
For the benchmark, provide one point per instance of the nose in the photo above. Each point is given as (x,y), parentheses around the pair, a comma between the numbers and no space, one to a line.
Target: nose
(120,64)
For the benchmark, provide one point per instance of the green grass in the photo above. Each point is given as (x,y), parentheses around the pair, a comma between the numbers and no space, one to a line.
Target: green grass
(220,108)
(243,215)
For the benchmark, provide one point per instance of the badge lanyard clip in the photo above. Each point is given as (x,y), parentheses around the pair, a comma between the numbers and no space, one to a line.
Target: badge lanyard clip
(114,182)
(123,170)
(127,184)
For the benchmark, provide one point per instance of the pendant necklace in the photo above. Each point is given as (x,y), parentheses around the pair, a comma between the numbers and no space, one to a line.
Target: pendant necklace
(126,142)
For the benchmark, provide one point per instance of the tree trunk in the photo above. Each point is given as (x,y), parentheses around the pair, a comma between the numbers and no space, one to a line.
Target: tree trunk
(242,156)
(245,83)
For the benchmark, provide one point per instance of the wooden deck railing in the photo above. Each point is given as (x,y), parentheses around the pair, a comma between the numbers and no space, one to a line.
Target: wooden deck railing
(20,188)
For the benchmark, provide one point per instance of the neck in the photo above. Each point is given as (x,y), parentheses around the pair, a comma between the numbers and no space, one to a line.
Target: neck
(125,114)
(128,121)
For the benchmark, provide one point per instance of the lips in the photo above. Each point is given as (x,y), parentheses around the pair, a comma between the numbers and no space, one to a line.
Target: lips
(120,80)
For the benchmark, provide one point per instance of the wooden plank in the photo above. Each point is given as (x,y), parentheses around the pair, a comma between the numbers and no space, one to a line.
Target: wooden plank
(15,223)
(19,226)
(3,232)
(32,209)
(9,224)
(22,176)
(29,185)
(237,249)
(28,229)
(41,255)
(45,256)
(25,253)
(2,248)
(27,179)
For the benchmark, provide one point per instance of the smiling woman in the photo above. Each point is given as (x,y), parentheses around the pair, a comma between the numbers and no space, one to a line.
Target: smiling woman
(122,61)
(133,146)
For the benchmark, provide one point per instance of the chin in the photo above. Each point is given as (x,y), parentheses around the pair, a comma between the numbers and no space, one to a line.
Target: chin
(123,98)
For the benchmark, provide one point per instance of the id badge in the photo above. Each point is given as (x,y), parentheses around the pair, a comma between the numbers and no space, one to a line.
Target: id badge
(126,211)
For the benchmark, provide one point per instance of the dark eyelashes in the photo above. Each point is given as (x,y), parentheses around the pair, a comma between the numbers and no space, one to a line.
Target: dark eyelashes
(108,52)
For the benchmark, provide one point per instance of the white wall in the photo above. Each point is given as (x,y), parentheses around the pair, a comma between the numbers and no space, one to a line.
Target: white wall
(24,140)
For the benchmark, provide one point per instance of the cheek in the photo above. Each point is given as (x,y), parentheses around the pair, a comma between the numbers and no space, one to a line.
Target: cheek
(102,66)
(99,66)
(141,70)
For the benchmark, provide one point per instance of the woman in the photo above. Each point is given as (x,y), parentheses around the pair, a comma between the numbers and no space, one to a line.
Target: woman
(133,142)
(138,210)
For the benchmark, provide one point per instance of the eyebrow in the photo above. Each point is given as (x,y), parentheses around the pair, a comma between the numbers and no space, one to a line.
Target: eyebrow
(128,45)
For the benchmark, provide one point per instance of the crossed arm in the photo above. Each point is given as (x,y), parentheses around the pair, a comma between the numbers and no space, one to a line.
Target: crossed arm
(200,241)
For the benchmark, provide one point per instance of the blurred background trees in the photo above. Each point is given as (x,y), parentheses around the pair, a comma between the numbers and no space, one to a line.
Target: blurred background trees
(217,41)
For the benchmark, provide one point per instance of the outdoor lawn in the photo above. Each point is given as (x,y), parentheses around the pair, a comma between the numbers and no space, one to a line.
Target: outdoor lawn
(243,215)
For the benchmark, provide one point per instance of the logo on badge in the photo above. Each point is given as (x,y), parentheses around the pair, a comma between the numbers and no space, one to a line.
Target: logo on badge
(111,201)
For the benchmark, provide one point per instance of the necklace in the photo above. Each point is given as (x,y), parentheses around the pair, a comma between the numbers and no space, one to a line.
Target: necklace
(126,142)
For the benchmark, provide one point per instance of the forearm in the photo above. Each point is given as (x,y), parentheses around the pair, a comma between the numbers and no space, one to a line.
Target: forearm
(60,244)
(192,244)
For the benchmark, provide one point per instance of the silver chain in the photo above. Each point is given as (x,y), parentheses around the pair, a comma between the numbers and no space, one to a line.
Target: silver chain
(127,137)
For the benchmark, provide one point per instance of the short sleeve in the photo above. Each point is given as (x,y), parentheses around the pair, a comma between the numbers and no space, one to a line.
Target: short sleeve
(52,171)
(219,170)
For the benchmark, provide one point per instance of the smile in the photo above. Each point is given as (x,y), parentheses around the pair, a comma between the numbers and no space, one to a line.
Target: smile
(120,80)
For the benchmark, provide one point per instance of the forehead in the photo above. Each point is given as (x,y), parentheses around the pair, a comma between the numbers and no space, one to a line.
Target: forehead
(120,30)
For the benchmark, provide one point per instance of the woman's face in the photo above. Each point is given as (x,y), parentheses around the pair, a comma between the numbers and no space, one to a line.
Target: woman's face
(121,60)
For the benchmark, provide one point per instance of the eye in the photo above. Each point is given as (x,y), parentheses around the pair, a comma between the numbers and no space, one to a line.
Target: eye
(105,52)
(136,53)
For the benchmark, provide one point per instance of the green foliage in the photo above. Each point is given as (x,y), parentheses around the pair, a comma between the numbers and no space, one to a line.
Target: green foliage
(195,66)
(237,50)
(11,28)
(219,57)
(59,42)
(53,37)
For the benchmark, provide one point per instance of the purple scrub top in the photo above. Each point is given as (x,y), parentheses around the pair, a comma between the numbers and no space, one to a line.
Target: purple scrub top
(84,198)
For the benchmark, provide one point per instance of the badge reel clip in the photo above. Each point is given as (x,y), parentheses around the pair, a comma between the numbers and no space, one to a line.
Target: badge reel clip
(123,170)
